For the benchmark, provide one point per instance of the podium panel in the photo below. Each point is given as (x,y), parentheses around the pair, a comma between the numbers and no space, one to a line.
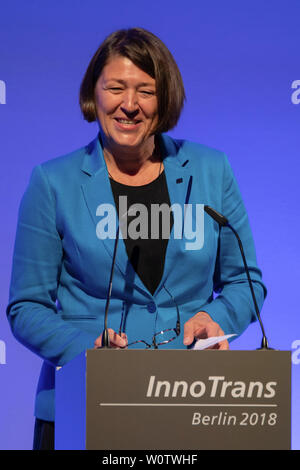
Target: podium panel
(174,399)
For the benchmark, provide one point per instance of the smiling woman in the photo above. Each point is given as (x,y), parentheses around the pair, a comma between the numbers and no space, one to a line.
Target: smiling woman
(134,89)
(150,55)
(126,108)
(163,287)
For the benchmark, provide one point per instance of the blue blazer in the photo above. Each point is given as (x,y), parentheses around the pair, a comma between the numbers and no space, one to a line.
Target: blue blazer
(61,267)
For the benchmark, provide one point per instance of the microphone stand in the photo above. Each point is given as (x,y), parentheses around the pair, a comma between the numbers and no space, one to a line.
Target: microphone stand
(105,343)
(223,222)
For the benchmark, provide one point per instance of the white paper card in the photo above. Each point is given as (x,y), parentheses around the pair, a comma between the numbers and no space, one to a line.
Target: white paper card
(208,342)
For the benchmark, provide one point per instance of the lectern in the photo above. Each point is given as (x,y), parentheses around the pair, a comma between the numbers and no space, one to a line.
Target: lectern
(174,399)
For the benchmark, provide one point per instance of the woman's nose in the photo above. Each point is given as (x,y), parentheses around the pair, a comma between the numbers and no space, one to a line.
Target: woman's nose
(130,103)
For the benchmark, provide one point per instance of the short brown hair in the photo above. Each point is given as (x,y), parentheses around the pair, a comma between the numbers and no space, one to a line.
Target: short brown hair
(151,55)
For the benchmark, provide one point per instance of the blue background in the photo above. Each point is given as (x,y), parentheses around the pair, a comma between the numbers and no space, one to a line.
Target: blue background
(238,60)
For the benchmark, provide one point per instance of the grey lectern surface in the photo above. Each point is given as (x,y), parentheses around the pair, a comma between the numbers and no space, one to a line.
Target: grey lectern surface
(174,399)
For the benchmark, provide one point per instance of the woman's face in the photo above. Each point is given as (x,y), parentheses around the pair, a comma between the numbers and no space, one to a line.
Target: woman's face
(126,105)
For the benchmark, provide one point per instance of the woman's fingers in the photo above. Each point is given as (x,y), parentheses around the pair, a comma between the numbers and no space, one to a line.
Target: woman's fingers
(116,341)
(202,326)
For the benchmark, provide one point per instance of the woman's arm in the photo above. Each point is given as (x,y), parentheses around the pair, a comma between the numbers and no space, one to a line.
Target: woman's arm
(37,262)
(232,310)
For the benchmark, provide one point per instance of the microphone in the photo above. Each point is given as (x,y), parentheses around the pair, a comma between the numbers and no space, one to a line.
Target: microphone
(223,222)
(105,343)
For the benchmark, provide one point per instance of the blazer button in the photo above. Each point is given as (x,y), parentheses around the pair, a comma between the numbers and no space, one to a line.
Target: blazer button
(151,307)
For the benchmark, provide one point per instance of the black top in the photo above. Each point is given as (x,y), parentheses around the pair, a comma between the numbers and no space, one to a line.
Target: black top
(148,231)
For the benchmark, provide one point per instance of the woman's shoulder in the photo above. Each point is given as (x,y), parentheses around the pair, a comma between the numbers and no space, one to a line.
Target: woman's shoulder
(70,168)
(73,159)
(194,152)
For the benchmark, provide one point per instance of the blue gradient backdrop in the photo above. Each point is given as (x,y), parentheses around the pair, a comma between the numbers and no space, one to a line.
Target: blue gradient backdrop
(238,61)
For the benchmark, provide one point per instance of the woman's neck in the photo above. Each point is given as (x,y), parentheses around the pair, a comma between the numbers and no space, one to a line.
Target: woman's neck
(133,166)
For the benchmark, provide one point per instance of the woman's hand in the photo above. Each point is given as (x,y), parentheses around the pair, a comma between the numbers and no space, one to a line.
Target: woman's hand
(201,326)
(116,341)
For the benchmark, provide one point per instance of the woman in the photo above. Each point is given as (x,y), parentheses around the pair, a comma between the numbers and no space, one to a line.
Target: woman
(64,243)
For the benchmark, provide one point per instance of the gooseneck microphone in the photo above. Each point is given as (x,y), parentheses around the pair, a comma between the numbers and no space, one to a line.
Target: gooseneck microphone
(223,222)
(105,343)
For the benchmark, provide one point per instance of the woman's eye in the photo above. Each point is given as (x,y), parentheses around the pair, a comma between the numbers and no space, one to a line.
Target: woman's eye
(115,89)
(147,92)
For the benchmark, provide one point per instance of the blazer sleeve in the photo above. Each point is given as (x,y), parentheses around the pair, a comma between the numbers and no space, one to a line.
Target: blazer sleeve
(233,307)
(37,261)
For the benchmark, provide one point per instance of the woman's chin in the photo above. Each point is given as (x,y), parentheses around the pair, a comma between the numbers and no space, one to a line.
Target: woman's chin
(131,143)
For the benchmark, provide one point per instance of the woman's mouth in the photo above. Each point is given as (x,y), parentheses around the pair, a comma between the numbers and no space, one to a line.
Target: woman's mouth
(127,123)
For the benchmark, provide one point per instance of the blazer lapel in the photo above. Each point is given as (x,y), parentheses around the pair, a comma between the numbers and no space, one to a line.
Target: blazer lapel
(179,180)
(97,191)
